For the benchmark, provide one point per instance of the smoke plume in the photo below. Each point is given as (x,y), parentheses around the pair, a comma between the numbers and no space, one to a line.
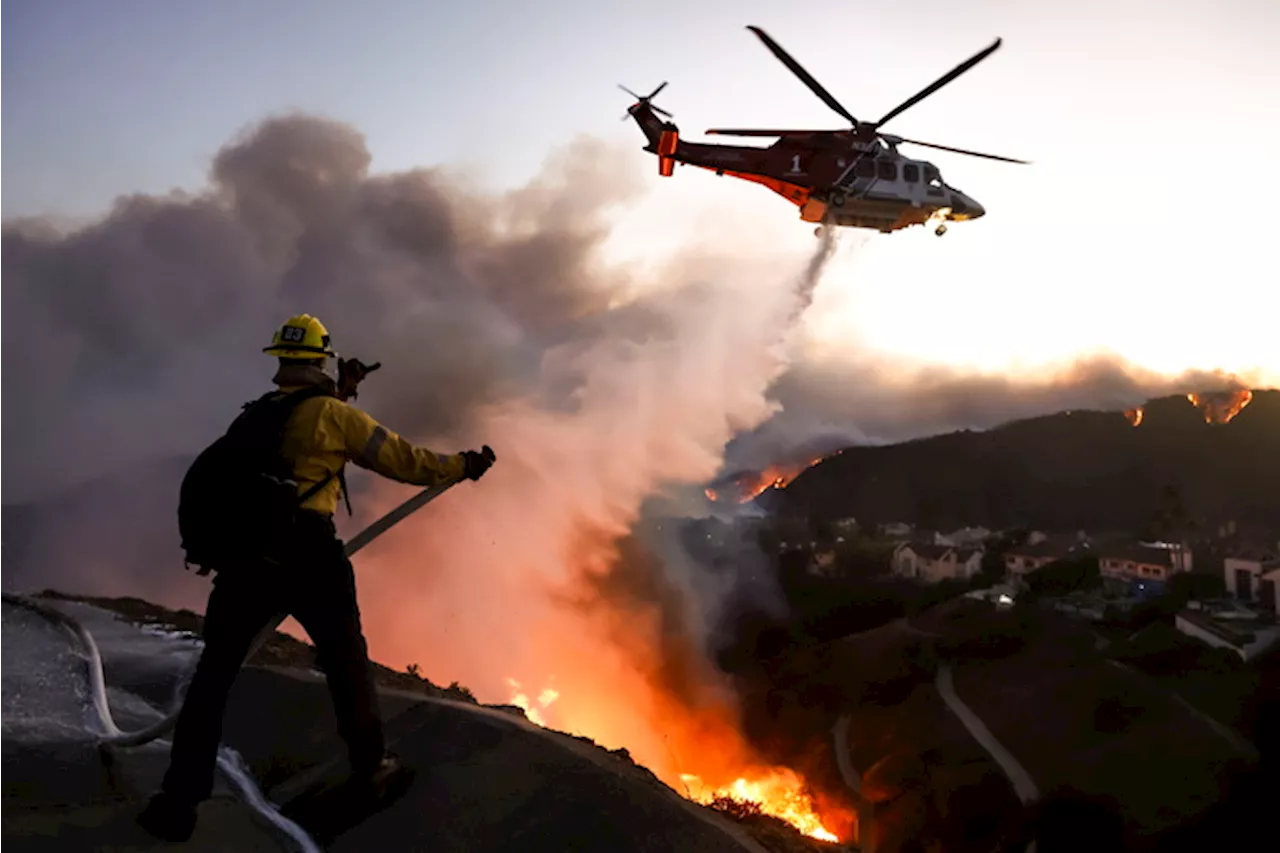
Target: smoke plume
(857,397)
(129,344)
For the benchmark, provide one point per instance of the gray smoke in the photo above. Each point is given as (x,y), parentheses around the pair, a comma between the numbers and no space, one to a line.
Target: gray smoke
(864,398)
(134,338)
(129,342)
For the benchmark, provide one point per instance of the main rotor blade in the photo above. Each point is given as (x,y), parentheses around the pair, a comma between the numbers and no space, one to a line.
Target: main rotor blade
(941,81)
(804,76)
(655,92)
(737,131)
(960,150)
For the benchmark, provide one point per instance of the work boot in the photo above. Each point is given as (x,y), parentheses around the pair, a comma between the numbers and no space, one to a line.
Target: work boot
(378,779)
(168,818)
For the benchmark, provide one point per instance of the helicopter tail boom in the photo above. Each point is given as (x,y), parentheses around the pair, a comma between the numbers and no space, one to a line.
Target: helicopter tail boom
(663,136)
(650,125)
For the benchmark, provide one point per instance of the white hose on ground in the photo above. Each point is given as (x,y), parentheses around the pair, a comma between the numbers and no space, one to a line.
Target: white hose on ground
(229,761)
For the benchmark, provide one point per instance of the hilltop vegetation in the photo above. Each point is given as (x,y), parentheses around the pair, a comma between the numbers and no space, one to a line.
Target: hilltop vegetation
(1067,471)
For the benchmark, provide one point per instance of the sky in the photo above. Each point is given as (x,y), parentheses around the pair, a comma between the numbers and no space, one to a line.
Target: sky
(1141,228)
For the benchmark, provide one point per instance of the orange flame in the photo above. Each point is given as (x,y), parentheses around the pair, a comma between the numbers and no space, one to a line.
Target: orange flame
(521,700)
(778,792)
(748,485)
(1219,407)
(1134,416)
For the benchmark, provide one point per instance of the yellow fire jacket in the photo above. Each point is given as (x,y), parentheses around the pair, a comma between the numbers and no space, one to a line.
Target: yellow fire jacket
(324,433)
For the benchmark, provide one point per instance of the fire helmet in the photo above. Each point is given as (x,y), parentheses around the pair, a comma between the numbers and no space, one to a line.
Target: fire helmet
(302,336)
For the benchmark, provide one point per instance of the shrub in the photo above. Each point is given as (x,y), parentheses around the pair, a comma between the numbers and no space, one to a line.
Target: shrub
(458,692)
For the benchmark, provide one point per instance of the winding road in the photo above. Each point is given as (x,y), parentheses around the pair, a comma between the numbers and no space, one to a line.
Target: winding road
(1023,785)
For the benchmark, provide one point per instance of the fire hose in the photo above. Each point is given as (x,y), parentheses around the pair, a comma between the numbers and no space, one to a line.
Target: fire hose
(229,762)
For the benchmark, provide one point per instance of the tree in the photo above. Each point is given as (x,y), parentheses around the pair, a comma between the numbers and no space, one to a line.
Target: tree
(993,568)
(1188,586)
(1170,521)
(1063,576)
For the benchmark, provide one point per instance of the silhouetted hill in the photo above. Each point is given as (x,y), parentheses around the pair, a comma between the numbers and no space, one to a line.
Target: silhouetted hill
(114,534)
(1079,469)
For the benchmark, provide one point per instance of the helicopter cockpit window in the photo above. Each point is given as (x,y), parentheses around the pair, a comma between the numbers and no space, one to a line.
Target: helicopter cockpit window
(911,173)
(887,170)
(864,168)
(933,179)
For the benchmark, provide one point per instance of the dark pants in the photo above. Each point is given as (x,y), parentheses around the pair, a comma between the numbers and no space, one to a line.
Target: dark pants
(318,589)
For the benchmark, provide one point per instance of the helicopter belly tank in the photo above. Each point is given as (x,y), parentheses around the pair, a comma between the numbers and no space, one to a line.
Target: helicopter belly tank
(876,214)
(880,215)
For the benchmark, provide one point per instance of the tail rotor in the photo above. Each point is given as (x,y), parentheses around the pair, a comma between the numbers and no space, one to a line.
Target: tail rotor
(645,99)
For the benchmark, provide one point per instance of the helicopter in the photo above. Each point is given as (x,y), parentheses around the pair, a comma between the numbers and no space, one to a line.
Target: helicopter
(850,178)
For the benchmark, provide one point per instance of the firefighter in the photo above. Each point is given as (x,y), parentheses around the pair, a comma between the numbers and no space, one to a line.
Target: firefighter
(315,584)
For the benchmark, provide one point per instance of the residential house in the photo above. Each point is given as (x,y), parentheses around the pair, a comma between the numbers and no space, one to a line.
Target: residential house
(1035,537)
(933,563)
(895,530)
(967,537)
(1253,575)
(1041,549)
(1144,565)
(1231,626)
(845,525)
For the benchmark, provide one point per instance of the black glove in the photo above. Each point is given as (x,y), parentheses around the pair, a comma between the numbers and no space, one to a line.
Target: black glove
(351,371)
(477,462)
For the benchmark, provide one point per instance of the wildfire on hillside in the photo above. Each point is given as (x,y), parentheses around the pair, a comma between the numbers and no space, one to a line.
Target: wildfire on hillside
(521,701)
(776,791)
(1134,416)
(747,485)
(1219,407)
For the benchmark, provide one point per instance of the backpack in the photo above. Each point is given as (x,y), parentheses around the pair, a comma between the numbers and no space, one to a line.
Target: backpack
(239,501)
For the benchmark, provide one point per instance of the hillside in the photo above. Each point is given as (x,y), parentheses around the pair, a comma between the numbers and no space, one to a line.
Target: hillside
(1079,469)
(489,778)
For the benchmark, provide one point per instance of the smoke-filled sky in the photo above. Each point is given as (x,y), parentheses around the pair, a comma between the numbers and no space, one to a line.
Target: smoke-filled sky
(1141,228)
(498,321)
(460,204)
